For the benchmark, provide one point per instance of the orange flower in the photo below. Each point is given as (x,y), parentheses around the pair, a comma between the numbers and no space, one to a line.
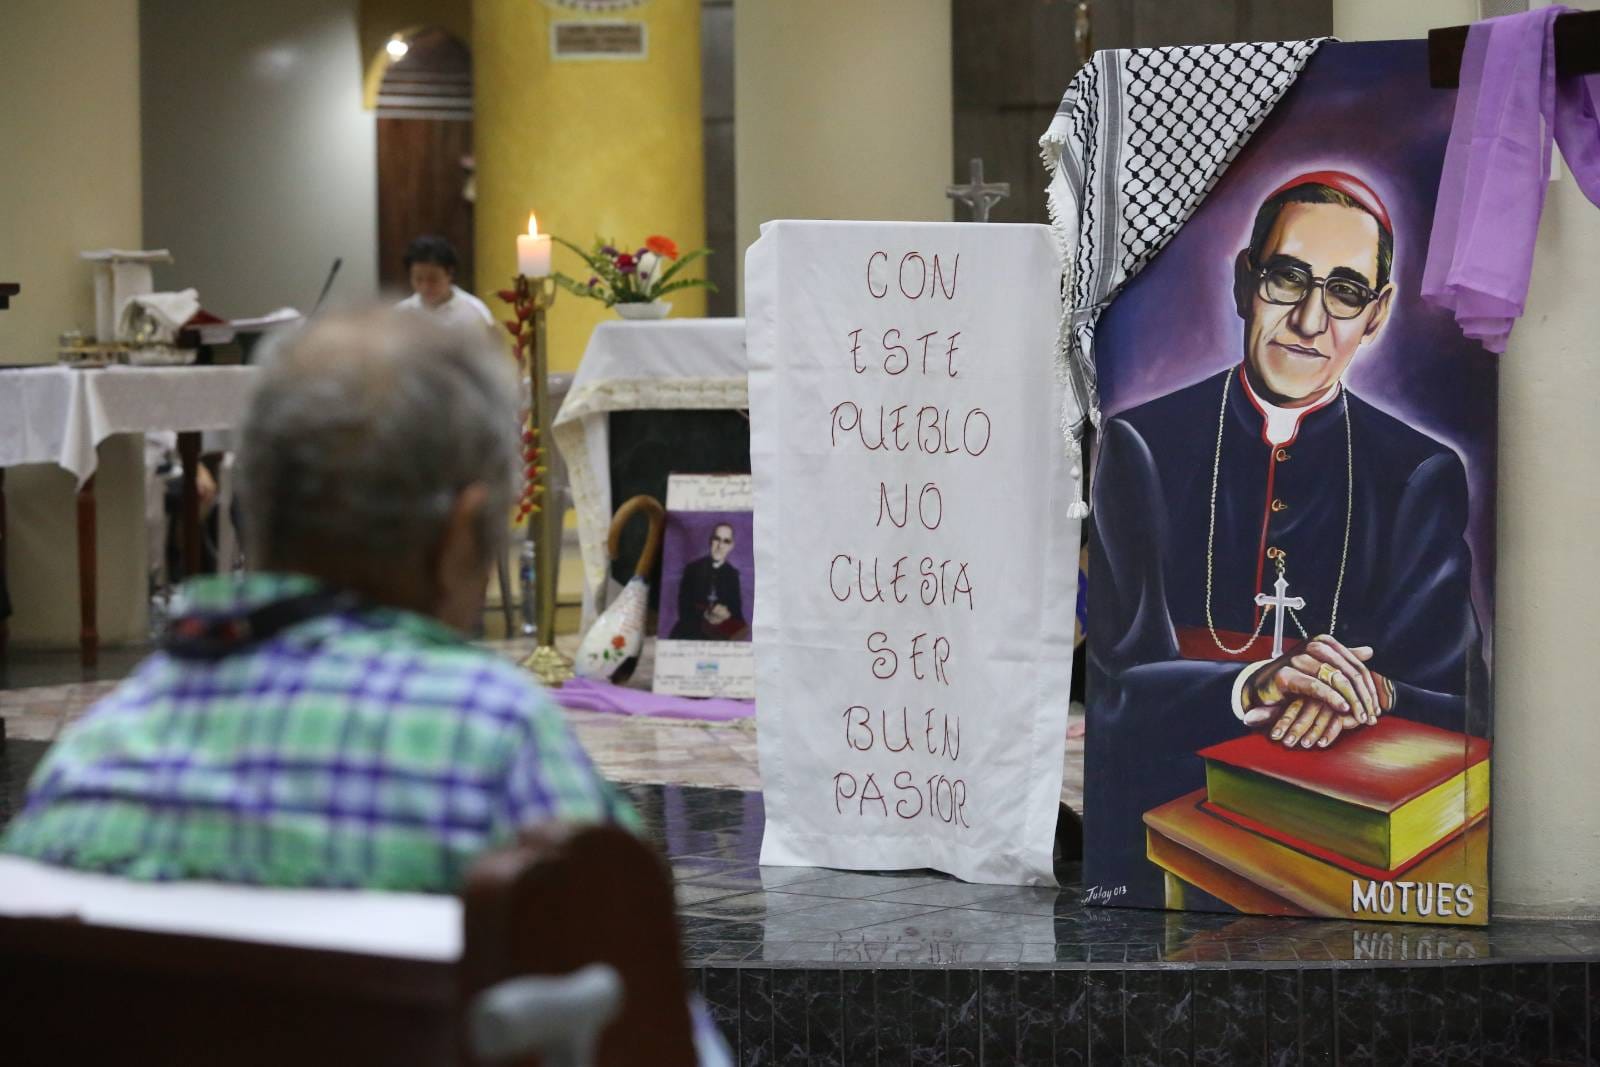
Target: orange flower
(665,247)
(618,641)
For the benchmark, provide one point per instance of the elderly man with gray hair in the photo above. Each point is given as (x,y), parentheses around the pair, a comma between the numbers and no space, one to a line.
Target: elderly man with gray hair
(322,721)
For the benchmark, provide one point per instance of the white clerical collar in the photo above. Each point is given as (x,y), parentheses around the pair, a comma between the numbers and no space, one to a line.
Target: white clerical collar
(1283,424)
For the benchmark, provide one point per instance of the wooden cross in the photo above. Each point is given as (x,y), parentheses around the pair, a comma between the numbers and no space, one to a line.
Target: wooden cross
(1278,601)
(977,194)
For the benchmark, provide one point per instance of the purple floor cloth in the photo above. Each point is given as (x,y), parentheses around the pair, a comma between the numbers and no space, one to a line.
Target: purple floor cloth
(584,694)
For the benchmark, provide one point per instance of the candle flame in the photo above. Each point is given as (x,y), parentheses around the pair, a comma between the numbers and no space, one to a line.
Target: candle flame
(533,225)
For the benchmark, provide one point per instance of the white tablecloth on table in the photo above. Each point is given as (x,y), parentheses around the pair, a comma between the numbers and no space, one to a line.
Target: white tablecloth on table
(681,364)
(58,414)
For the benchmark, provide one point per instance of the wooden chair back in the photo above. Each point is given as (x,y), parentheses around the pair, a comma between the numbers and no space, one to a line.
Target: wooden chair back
(78,992)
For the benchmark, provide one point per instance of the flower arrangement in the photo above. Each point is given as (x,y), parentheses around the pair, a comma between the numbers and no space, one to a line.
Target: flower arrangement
(637,277)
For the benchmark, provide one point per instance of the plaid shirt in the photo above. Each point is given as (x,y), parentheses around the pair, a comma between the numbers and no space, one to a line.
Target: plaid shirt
(371,748)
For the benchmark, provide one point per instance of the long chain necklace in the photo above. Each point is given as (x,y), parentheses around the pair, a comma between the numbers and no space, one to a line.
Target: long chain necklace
(1278,558)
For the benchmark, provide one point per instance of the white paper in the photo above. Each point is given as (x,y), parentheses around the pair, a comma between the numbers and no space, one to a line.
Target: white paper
(412,925)
(272,318)
(925,729)
(123,255)
(708,492)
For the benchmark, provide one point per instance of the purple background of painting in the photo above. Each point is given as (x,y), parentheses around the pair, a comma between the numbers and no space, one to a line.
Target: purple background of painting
(687,538)
(1366,109)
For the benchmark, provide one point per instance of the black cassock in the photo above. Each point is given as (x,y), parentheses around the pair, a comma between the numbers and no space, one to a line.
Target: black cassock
(700,579)
(1159,688)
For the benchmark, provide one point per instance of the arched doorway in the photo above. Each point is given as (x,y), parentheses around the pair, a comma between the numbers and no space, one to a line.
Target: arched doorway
(425,169)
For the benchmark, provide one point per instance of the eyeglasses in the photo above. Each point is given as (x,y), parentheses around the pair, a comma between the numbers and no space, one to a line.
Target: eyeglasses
(1343,298)
(722,540)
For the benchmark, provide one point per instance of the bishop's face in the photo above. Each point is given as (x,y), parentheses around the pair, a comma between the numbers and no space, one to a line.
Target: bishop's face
(721,543)
(1309,302)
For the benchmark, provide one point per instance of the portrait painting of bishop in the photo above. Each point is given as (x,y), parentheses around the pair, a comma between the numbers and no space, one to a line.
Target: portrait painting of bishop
(1291,549)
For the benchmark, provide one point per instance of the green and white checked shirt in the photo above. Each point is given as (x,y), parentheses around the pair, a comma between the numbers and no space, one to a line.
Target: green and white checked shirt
(366,748)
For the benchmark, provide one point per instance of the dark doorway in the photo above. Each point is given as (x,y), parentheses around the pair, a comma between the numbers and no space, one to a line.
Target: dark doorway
(716,103)
(1013,59)
(425,168)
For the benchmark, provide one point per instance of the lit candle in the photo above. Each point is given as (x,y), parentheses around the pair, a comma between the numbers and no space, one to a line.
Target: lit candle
(533,251)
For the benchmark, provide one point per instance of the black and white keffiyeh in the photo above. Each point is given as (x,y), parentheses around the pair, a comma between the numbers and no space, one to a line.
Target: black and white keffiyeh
(1142,135)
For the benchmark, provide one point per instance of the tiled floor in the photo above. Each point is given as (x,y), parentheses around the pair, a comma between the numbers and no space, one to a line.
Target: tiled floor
(803,965)
(736,911)
(29,668)
(626,749)
(824,966)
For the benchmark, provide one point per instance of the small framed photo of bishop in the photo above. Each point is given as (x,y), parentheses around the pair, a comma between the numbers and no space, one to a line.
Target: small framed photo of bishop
(707,588)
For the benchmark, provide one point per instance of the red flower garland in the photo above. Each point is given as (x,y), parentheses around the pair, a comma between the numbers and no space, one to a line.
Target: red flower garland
(528,502)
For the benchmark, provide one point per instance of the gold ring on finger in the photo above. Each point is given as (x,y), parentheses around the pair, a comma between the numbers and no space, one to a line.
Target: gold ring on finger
(1325,673)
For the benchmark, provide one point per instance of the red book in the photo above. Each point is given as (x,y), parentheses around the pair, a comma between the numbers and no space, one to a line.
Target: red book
(1380,796)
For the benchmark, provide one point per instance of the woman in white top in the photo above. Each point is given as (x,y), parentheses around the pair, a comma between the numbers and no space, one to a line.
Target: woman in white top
(431,263)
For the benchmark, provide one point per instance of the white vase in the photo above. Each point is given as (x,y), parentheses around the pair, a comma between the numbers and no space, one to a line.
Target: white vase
(616,636)
(655,309)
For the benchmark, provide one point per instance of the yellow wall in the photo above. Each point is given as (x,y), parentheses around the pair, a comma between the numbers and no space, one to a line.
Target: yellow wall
(596,147)
(69,180)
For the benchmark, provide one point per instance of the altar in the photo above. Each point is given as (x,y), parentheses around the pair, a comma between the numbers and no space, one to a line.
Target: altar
(673,364)
(60,415)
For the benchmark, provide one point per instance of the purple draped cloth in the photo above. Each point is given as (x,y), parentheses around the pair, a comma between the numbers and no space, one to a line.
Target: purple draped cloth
(1497,166)
(584,694)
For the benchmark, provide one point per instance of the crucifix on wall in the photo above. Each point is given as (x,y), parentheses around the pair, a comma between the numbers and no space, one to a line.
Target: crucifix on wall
(977,194)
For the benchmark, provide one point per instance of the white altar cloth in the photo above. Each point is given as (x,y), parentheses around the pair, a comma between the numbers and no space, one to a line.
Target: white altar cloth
(59,415)
(681,364)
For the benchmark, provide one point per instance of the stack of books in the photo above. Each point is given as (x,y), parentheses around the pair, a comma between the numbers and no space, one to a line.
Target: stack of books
(1376,803)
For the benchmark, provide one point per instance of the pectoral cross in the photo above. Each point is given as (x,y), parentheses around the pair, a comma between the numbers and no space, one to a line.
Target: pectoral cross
(977,194)
(1279,601)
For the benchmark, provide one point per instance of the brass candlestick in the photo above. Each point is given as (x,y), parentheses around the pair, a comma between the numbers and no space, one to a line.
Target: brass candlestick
(531,298)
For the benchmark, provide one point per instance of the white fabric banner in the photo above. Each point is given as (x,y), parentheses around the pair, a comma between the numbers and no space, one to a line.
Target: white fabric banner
(917,563)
